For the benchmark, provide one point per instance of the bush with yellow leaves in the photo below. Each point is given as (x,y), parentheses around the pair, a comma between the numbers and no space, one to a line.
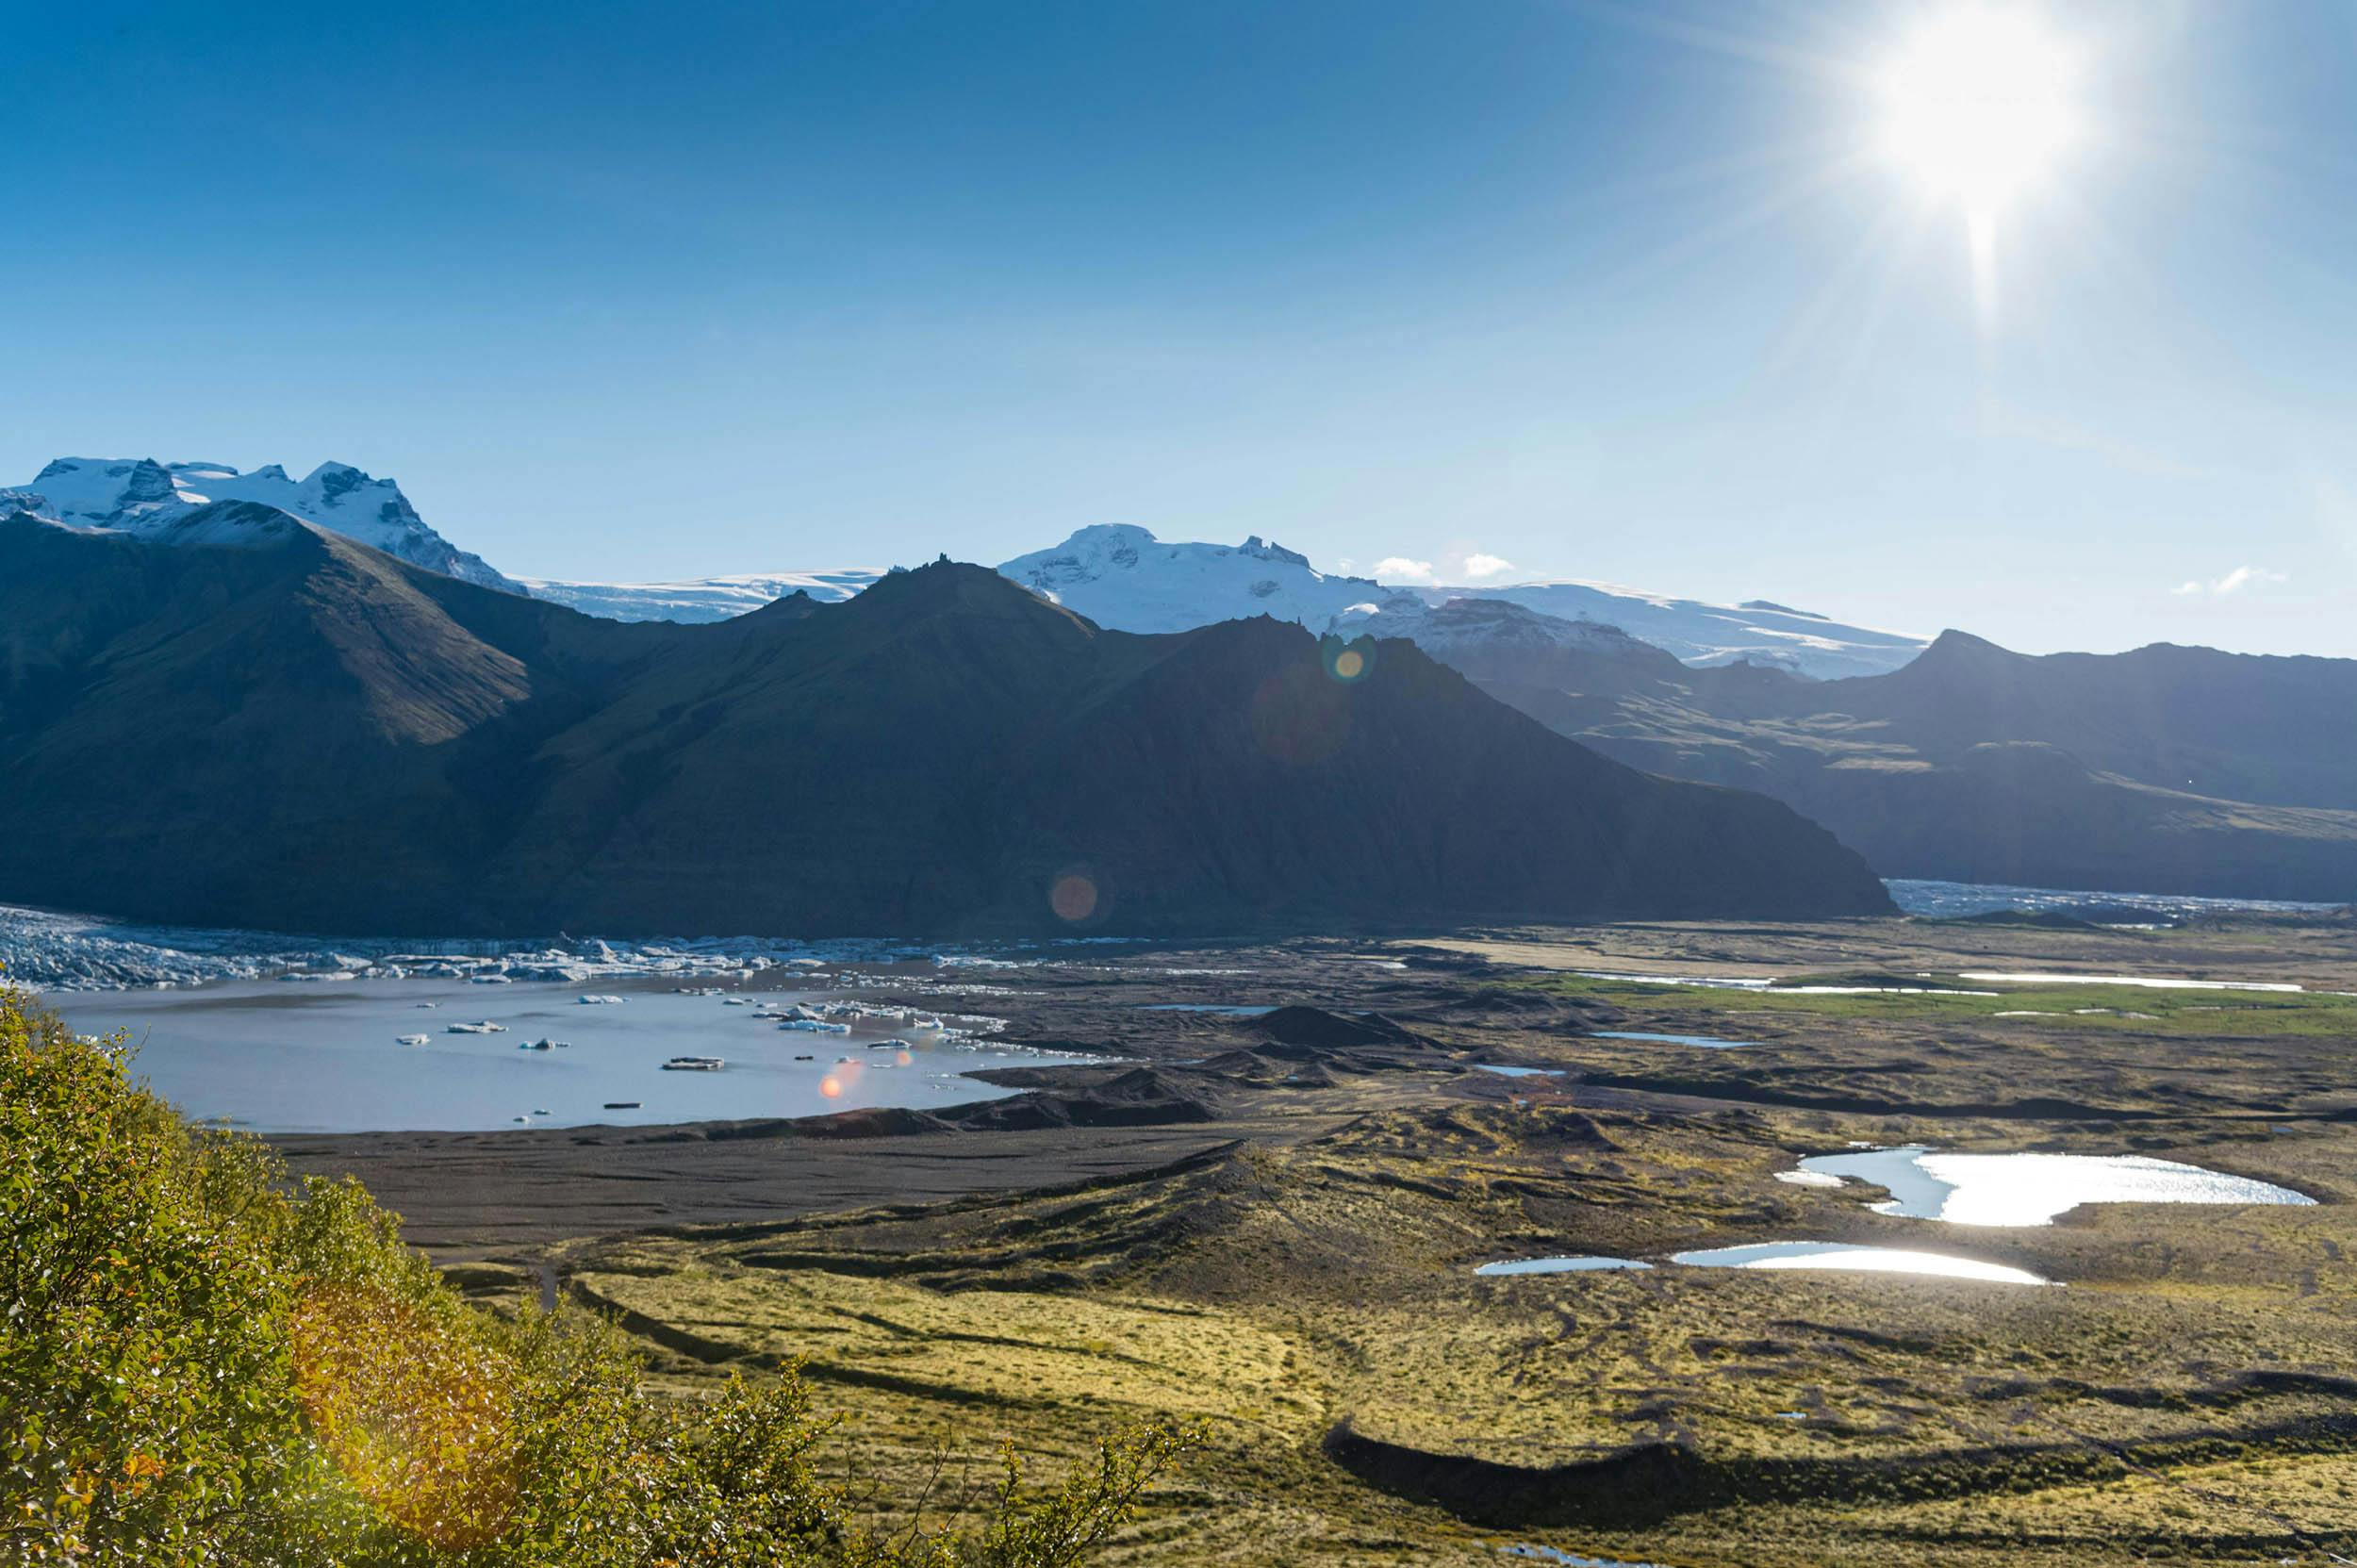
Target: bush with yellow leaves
(201,1363)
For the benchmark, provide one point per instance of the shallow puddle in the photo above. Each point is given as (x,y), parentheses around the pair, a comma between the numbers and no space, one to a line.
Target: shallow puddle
(1867,1260)
(1557,1265)
(2031,1189)
(1517,1072)
(1557,1555)
(1708,1042)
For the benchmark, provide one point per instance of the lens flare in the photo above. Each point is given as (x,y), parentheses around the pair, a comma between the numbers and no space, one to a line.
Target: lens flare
(1073,897)
(1348,662)
(831,1086)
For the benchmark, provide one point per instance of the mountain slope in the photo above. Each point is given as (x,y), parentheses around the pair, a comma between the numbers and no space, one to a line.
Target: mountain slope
(139,495)
(216,728)
(2165,769)
(311,734)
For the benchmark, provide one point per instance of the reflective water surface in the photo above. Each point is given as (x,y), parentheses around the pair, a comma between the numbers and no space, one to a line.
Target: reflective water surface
(2031,1189)
(276,1056)
(1708,1042)
(1869,1260)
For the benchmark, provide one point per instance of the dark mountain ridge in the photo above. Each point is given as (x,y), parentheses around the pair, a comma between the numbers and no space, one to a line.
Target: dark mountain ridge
(265,724)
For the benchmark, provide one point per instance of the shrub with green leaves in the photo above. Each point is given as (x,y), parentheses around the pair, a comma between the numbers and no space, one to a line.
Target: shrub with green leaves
(202,1362)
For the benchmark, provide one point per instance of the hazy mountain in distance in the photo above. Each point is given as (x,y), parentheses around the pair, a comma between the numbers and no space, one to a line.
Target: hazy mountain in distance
(2164,770)
(280,727)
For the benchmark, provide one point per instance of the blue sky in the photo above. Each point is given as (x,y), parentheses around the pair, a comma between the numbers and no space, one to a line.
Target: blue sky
(1609,291)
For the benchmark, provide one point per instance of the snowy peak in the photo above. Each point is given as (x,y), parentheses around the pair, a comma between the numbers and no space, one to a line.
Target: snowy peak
(1122,577)
(1271,551)
(142,495)
(100,492)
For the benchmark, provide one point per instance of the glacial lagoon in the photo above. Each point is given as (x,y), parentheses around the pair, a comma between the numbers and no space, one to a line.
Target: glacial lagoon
(271,1056)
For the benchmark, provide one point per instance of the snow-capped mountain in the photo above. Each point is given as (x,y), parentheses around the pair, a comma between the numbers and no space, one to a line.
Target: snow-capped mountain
(1126,578)
(141,495)
(698,600)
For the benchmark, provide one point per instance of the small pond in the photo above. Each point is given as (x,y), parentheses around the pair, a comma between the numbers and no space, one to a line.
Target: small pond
(2029,1189)
(1868,1260)
(1557,1265)
(1708,1042)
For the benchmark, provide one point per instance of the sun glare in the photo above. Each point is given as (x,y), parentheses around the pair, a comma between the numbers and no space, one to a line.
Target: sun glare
(1977,109)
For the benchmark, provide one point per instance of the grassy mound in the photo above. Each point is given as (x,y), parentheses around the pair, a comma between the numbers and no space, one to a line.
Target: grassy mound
(201,1362)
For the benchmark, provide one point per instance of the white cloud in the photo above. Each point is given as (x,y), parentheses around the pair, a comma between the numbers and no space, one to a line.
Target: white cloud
(1479,565)
(2242,577)
(1399,569)
(2234,582)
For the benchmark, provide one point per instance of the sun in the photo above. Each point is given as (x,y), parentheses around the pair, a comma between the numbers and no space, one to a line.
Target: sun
(1977,109)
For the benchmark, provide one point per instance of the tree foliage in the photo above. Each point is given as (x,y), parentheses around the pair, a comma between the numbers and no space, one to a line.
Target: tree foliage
(203,1362)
